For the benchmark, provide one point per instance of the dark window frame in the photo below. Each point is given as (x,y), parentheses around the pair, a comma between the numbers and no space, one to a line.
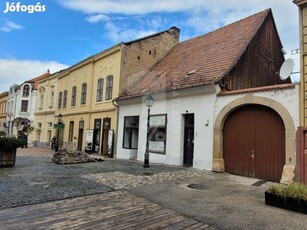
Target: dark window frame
(109,88)
(129,130)
(99,95)
(65,99)
(73,96)
(83,93)
(26,91)
(24,106)
(71,131)
(60,100)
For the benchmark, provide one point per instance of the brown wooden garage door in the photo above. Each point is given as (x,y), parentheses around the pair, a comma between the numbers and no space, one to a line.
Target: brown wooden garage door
(254,143)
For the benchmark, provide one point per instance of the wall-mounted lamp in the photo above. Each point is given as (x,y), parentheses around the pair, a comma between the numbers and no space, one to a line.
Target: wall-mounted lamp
(207,123)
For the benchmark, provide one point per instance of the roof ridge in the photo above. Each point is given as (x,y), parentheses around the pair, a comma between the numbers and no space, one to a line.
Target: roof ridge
(228,25)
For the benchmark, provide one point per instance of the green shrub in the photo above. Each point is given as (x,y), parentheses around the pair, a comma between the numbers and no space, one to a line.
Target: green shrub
(294,190)
(9,143)
(2,134)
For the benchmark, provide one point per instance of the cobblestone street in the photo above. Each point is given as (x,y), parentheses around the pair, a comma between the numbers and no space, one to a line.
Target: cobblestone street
(36,179)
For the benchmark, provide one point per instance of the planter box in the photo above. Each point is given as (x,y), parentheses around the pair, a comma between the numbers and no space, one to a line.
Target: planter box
(7,157)
(288,203)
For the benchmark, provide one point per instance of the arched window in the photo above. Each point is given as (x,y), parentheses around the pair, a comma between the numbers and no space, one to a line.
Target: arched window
(60,100)
(99,90)
(26,91)
(83,93)
(73,96)
(109,87)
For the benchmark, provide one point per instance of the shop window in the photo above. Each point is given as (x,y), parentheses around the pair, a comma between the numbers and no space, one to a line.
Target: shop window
(157,133)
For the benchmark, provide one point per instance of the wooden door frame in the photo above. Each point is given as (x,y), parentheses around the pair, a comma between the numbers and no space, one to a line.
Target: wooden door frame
(288,173)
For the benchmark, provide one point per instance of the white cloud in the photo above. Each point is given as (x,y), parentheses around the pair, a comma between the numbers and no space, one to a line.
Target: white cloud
(14,71)
(197,17)
(121,34)
(9,26)
(97,18)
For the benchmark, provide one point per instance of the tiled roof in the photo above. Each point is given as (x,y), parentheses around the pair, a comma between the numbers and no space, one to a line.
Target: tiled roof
(201,60)
(36,79)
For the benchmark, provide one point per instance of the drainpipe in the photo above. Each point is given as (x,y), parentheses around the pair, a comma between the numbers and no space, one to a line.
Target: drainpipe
(116,131)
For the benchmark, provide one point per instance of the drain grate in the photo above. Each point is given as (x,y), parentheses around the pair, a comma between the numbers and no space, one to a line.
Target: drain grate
(198,186)
(148,174)
(259,183)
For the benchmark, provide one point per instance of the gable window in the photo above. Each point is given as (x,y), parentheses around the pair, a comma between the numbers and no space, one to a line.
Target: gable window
(73,96)
(131,132)
(157,133)
(41,101)
(24,105)
(26,91)
(109,87)
(60,100)
(65,99)
(83,93)
(99,90)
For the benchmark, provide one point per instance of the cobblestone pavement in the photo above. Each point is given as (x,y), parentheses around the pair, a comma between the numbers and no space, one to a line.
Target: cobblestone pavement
(35,178)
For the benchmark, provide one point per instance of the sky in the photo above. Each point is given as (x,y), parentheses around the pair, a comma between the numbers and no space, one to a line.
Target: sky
(36,36)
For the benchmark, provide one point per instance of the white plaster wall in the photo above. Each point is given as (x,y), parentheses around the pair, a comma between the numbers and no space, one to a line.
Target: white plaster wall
(198,100)
(289,98)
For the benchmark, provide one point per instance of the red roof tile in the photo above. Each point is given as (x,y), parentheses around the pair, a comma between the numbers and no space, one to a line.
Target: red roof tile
(200,60)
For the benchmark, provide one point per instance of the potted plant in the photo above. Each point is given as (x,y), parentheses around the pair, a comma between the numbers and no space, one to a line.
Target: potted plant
(291,197)
(8,146)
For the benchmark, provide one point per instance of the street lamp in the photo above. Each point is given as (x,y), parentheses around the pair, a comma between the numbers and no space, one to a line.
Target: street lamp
(149,103)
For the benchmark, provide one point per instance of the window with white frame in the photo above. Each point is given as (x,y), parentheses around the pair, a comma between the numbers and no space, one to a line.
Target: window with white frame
(131,132)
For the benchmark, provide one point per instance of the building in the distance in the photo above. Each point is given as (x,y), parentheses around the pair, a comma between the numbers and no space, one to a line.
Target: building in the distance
(84,92)
(21,108)
(3,111)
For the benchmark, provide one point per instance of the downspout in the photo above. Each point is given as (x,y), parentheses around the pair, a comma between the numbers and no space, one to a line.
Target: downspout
(116,131)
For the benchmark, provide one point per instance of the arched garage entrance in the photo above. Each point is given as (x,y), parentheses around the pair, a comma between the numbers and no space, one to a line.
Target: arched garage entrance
(254,142)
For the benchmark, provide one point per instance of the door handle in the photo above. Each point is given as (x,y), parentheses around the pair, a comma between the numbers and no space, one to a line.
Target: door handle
(252,154)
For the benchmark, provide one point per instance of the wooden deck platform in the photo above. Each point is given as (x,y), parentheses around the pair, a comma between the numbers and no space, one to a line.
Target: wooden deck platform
(114,210)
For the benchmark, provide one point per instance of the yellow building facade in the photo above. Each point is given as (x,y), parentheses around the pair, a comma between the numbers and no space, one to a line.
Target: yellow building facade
(84,93)
(3,110)
(44,118)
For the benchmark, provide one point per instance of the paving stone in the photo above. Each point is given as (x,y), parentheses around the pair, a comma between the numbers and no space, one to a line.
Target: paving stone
(36,179)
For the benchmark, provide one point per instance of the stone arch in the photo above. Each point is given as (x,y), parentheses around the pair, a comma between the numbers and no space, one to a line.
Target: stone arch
(290,135)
